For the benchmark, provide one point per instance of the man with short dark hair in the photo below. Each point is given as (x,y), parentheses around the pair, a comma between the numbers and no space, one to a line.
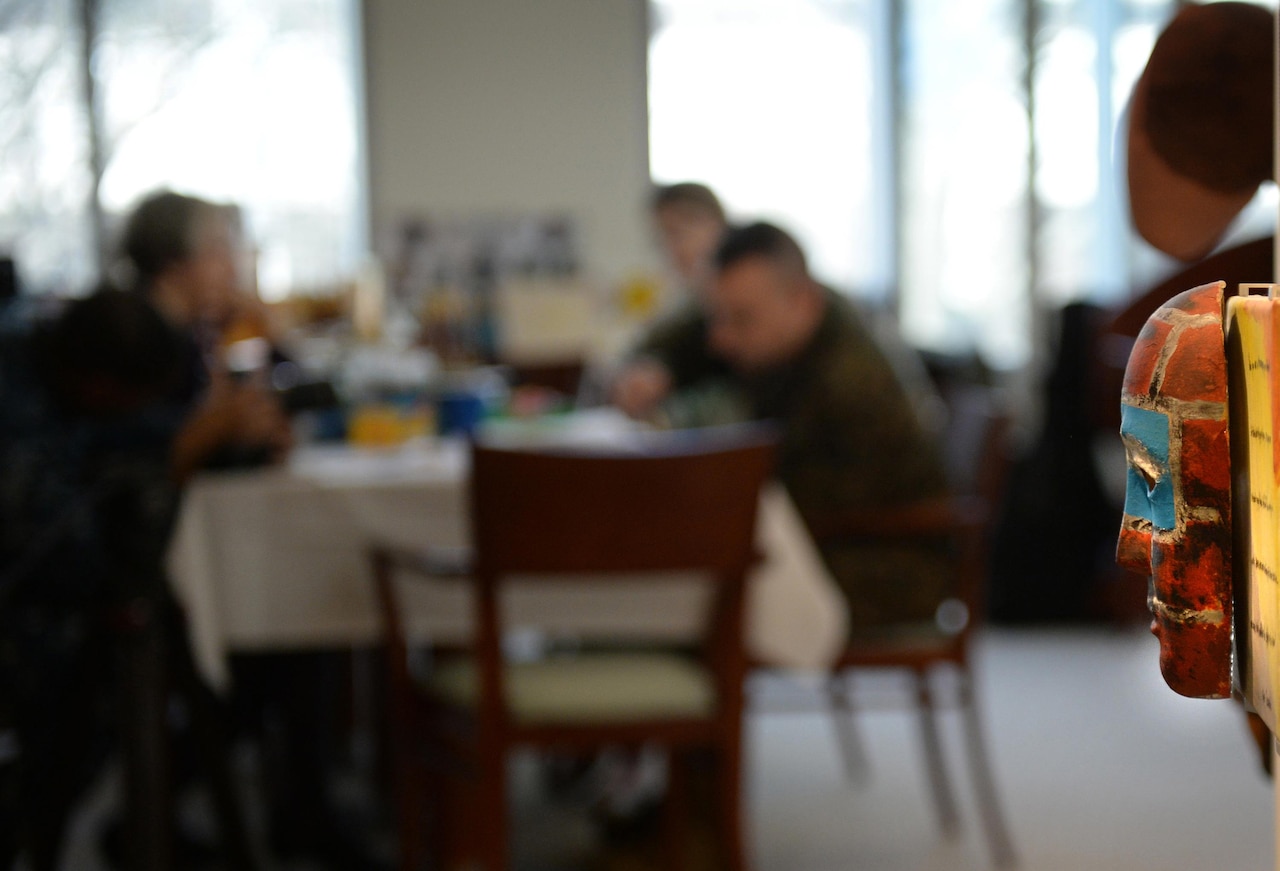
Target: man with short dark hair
(799,354)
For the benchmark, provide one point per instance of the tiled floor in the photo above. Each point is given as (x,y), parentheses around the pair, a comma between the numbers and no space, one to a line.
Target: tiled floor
(1099,766)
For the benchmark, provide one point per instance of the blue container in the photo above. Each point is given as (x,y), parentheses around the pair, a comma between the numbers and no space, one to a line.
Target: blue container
(460,412)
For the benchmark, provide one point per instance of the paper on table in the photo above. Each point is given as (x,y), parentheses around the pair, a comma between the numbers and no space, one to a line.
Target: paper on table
(412,461)
(603,428)
(545,319)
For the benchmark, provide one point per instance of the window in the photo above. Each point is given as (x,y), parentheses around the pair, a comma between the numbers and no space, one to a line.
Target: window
(964,264)
(956,159)
(45,176)
(771,103)
(250,102)
(1090,54)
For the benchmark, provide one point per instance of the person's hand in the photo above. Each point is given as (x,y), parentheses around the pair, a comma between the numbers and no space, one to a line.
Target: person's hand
(640,388)
(256,419)
(231,415)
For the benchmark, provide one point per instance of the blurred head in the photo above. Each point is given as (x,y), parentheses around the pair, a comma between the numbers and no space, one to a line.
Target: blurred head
(110,353)
(1200,136)
(1177,514)
(186,254)
(762,307)
(690,223)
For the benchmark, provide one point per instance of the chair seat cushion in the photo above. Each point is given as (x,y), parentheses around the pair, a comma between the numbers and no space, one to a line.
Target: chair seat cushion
(905,634)
(886,645)
(589,688)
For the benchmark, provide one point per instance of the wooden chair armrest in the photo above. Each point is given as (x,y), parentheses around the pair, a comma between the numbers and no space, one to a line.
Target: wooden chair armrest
(935,516)
(441,563)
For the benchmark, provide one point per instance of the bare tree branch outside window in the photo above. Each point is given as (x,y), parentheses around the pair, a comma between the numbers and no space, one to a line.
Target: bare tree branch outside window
(102,101)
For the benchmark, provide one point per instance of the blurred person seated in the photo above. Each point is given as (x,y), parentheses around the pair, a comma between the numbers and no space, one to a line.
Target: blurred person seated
(1199,136)
(673,352)
(852,435)
(188,257)
(185,255)
(779,346)
(85,489)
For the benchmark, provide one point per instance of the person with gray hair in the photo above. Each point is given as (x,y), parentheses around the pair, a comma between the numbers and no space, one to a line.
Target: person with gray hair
(184,254)
(187,256)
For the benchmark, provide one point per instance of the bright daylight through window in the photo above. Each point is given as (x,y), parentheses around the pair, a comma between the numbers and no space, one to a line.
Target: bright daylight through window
(235,100)
(956,161)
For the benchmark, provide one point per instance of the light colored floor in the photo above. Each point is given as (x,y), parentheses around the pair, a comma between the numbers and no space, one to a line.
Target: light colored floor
(1099,765)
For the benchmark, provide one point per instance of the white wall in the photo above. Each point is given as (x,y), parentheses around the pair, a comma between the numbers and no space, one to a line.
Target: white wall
(502,106)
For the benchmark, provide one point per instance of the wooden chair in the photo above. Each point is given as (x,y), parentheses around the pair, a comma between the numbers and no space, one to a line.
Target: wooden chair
(689,505)
(976,447)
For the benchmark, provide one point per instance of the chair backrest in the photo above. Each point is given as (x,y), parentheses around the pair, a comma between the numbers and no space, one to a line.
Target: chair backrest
(976,444)
(978,456)
(688,503)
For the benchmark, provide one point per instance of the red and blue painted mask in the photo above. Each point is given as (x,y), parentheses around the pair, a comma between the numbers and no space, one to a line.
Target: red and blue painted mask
(1177,512)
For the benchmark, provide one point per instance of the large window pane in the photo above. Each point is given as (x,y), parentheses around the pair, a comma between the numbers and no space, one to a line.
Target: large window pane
(244,101)
(965,264)
(771,103)
(1089,54)
(251,101)
(45,175)
(977,169)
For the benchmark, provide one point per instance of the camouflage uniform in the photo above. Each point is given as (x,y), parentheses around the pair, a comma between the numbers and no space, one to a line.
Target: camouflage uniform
(679,342)
(852,439)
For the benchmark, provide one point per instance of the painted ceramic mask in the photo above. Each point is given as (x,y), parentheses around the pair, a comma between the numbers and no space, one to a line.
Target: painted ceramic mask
(1177,512)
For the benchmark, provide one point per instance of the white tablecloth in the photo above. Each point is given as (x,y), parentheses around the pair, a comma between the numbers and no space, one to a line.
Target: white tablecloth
(275,559)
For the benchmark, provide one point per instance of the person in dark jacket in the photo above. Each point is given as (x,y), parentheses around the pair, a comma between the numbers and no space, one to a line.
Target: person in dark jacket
(852,436)
(85,495)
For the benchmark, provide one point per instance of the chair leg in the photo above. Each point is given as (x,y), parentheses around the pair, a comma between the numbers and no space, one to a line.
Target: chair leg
(430,813)
(489,820)
(730,803)
(675,810)
(1002,852)
(412,817)
(456,809)
(939,782)
(857,767)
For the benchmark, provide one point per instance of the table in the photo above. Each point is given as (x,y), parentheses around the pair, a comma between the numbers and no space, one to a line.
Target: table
(274,559)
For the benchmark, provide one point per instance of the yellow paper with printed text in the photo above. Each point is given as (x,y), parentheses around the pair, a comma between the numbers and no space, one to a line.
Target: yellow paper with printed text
(1251,328)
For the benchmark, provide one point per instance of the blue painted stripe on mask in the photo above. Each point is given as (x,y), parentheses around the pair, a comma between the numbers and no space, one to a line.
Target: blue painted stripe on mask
(1151,429)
